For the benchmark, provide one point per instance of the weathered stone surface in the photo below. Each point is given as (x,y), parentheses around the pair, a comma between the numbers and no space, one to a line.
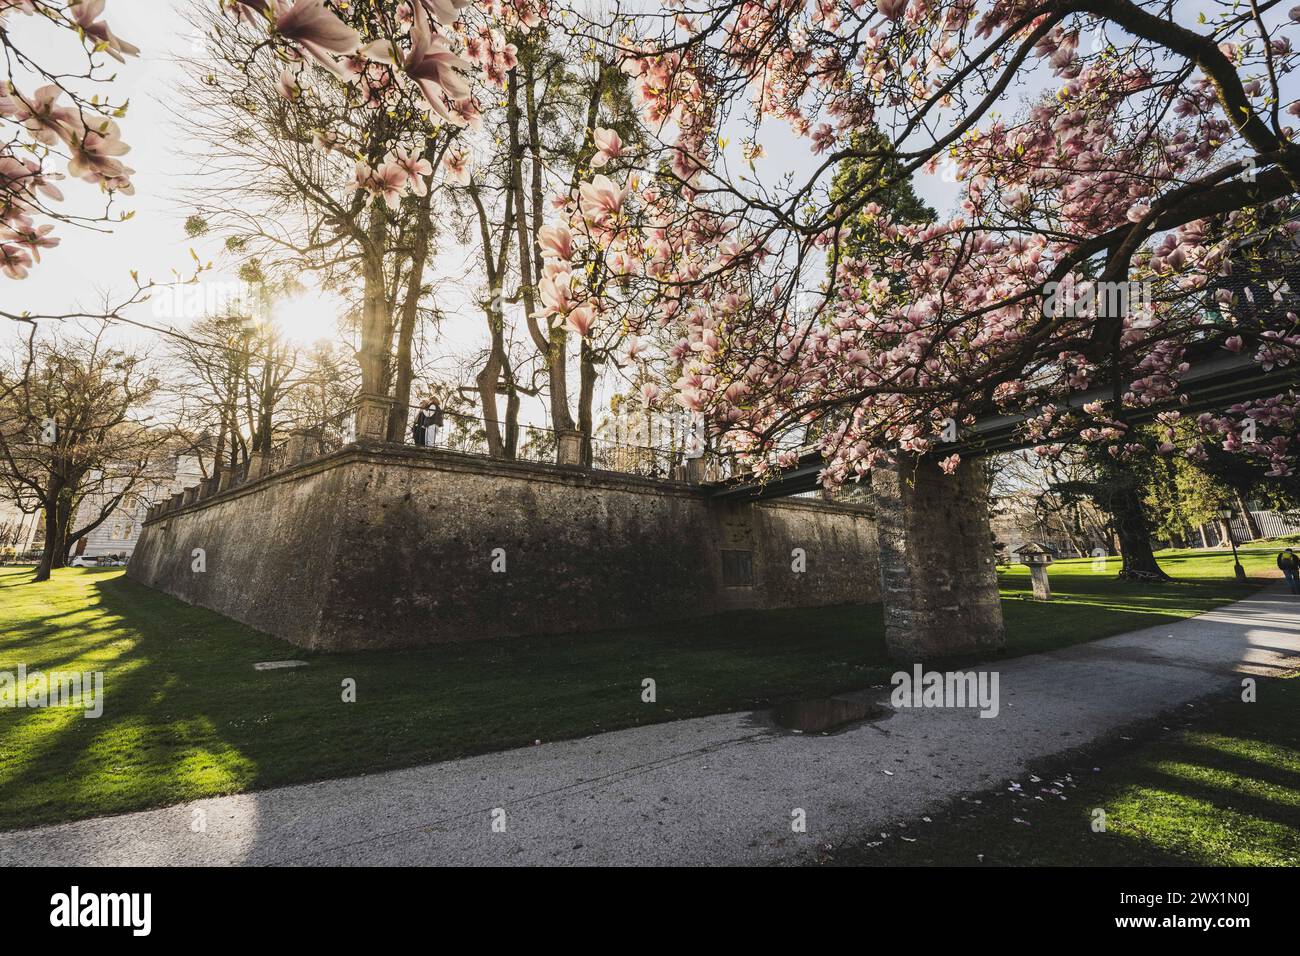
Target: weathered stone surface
(383,546)
(939,583)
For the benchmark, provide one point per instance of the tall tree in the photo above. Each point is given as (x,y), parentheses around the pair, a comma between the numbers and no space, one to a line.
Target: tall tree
(78,424)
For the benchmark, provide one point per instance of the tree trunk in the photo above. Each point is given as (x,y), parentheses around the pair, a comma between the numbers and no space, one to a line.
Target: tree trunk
(1134,535)
(553,346)
(373,356)
(586,395)
(57,515)
(410,315)
(487,379)
(512,423)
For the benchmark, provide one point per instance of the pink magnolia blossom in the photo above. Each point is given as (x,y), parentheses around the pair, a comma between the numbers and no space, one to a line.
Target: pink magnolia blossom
(581,319)
(437,71)
(445,12)
(556,242)
(46,121)
(93,157)
(600,199)
(893,9)
(455,167)
(14,262)
(85,12)
(33,238)
(608,146)
(315,29)
(416,167)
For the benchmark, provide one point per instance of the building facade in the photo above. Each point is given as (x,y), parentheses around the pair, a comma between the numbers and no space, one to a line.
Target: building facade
(118,534)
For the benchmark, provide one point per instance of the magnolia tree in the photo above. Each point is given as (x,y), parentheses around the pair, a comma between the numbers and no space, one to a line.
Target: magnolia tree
(1126,179)
(1116,167)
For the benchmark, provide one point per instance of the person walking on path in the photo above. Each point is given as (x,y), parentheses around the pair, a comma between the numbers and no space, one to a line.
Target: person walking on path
(1289,562)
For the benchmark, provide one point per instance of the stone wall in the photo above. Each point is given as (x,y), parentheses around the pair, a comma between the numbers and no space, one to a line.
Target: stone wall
(384,546)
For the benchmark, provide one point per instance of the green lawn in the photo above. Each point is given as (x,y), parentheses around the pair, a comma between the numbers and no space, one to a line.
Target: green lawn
(186,716)
(1212,785)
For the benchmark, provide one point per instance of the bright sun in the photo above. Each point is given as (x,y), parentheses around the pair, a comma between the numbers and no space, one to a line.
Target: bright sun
(309,317)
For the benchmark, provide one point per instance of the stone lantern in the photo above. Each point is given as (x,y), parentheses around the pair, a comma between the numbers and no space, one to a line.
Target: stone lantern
(1037,557)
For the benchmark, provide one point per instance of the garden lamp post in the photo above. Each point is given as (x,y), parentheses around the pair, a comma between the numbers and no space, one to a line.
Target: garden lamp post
(1225,512)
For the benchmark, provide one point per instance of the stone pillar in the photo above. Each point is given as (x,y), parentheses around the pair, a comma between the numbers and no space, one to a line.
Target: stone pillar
(176,500)
(568,447)
(372,417)
(256,465)
(939,582)
(190,495)
(225,478)
(1042,587)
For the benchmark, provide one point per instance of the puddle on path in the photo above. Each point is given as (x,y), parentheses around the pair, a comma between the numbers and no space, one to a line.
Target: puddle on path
(823,715)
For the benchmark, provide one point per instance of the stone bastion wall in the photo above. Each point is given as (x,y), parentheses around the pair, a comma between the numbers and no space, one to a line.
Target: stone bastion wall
(384,546)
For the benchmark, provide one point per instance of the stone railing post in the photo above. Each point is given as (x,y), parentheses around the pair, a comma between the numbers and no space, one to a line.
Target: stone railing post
(296,449)
(568,447)
(372,417)
(697,469)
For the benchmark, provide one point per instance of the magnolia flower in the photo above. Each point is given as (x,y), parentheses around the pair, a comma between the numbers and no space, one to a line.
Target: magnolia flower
(248,11)
(431,64)
(1233,343)
(445,12)
(892,9)
(13,261)
(92,156)
(556,293)
(415,166)
(318,32)
(455,167)
(600,199)
(556,242)
(34,238)
(287,83)
(581,320)
(389,180)
(1138,212)
(47,122)
(608,145)
(85,12)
